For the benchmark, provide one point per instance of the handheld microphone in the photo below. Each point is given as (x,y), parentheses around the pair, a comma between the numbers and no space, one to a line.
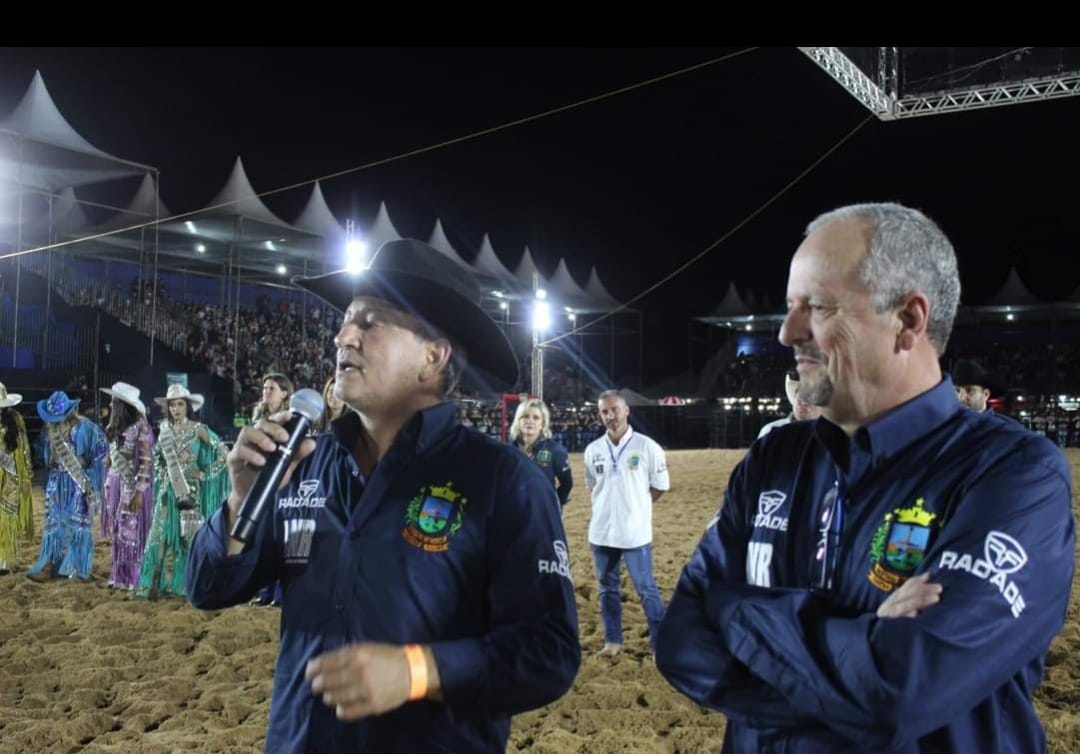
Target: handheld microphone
(306,406)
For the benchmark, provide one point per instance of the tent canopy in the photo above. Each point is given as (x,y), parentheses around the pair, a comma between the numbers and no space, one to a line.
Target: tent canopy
(39,149)
(1013,293)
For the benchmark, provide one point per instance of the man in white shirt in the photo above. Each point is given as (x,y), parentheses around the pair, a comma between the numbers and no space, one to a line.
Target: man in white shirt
(626,472)
(800,409)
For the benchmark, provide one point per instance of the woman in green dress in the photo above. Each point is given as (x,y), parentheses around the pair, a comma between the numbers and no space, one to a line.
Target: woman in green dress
(190,484)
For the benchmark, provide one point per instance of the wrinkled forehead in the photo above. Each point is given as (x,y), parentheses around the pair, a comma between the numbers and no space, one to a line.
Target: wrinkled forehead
(830,258)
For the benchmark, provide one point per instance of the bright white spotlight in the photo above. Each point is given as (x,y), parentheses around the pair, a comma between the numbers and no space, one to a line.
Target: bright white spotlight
(503,305)
(201,248)
(541,294)
(1010,317)
(497,294)
(190,226)
(281,270)
(749,328)
(573,317)
(541,316)
(355,254)
(269,245)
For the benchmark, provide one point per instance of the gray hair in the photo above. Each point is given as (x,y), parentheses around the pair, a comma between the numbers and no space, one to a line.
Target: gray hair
(908,254)
(610,394)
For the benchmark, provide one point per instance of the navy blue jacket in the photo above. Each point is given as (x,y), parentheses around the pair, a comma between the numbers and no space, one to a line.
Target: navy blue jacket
(773,620)
(554,461)
(455,541)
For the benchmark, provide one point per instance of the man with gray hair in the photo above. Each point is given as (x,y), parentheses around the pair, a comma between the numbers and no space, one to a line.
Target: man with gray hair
(888,578)
(626,473)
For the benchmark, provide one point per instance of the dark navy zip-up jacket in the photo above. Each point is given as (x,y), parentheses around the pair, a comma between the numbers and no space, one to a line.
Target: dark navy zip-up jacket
(773,620)
(554,462)
(454,541)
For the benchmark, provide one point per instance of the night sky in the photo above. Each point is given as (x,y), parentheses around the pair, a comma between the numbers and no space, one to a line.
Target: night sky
(635,184)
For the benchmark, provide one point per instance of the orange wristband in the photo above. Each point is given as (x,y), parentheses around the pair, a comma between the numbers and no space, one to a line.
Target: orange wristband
(418,680)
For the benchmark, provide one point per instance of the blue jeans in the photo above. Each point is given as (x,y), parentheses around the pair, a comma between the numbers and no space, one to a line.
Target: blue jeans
(639,564)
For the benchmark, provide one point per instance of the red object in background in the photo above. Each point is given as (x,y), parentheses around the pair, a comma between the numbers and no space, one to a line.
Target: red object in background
(509,406)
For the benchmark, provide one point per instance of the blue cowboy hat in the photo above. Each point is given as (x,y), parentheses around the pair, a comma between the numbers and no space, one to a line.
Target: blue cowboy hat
(56,407)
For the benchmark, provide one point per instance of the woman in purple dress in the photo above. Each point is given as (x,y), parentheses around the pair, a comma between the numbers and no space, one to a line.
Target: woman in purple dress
(129,490)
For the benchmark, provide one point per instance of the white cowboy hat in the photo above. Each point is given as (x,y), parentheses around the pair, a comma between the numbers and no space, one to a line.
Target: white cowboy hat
(129,394)
(8,399)
(177,391)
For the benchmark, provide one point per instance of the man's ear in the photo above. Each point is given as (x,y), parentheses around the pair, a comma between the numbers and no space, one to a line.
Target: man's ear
(436,355)
(913,317)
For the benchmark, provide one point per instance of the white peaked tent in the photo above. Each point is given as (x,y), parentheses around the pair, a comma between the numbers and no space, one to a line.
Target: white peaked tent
(237,198)
(144,207)
(525,270)
(598,292)
(317,219)
(1013,293)
(733,311)
(238,230)
(382,230)
(131,235)
(487,264)
(236,236)
(39,149)
(731,305)
(563,283)
(66,217)
(441,244)
(41,154)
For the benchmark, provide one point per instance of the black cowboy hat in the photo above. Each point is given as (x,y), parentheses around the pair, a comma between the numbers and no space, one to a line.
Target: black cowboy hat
(418,279)
(966,373)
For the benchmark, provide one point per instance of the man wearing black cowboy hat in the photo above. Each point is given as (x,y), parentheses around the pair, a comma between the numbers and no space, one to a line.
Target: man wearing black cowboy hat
(428,593)
(974,385)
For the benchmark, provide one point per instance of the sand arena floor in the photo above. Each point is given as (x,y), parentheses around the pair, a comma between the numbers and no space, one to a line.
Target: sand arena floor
(86,669)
